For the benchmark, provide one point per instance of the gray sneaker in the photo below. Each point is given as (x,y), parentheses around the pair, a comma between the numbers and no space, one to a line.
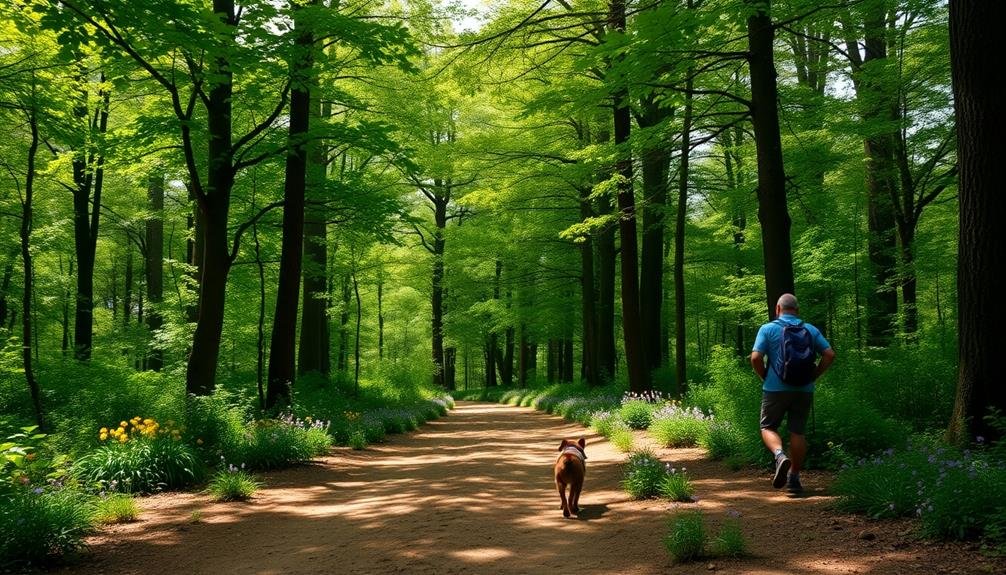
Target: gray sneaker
(793,485)
(782,465)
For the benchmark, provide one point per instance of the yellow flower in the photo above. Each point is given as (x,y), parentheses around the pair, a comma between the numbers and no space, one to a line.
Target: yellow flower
(123,438)
(123,424)
(103,430)
(103,436)
(148,421)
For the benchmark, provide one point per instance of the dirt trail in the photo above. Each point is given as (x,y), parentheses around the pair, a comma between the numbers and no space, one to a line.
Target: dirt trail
(473,493)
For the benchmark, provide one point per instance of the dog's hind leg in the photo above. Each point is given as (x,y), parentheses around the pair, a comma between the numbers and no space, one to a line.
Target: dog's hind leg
(562,497)
(574,498)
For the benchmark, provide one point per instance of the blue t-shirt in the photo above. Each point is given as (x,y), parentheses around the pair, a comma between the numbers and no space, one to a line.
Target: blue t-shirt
(769,341)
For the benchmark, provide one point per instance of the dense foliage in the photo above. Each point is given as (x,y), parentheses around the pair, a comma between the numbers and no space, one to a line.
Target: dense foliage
(251,231)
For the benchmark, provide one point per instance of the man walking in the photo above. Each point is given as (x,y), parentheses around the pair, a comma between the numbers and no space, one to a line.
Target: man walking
(792,348)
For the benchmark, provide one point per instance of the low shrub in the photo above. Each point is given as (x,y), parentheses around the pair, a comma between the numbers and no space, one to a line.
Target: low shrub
(38,525)
(622,439)
(607,422)
(730,541)
(358,440)
(116,508)
(722,440)
(675,485)
(140,465)
(637,413)
(675,426)
(643,475)
(955,494)
(686,537)
(280,442)
(232,484)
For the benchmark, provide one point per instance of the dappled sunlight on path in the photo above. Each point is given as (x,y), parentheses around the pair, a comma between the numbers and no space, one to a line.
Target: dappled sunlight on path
(473,493)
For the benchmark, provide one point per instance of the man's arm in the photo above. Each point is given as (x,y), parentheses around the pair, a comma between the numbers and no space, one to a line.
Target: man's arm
(758,363)
(827,357)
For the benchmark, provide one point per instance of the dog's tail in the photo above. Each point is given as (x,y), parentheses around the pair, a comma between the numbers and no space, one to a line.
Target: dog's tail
(567,461)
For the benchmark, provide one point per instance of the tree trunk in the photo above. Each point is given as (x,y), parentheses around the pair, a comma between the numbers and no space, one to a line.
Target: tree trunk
(356,347)
(155,265)
(773,212)
(380,320)
(450,368)
(440,220)
(523,359)
(88,177)
(508,346)
(879,107)
(283,344)
(909,283)
(631,320)
(314,354)
(26,298)
(735,180)
(195,245)
(976,49)
(490,356)
(551,364)
(8,273)
(588,299)
(200,376)
(343,362)
(605,242)
(656,159)
(260,333)
(127,287)
(567,360)
(680,331)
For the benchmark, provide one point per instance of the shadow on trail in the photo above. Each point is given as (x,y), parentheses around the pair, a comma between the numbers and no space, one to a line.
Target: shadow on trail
(469,493)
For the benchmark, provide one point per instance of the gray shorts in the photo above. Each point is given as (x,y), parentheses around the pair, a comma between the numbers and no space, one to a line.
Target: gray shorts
(777,404)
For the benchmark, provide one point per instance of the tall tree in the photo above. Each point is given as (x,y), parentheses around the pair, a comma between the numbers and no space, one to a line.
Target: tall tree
(879,107)
(977,48)
(314,353)
(154,268)
(680,342)
(656,159)
(773,212)
(282,354)
(88,181)
(631,319)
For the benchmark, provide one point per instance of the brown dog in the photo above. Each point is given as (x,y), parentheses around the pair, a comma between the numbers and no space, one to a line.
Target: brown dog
(570,468)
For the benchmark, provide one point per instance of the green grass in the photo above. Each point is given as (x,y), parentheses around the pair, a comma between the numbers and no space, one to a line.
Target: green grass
(643,475)
(675,426)
(622,439)
(686,536)
(232,484)
(358,440)
(116,508)
(676,485)
(730,541)
(606,422)
(637,413)
(36,527)
(139,466)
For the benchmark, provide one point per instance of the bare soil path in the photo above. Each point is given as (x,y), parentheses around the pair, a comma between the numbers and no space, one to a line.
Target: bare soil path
(473,493)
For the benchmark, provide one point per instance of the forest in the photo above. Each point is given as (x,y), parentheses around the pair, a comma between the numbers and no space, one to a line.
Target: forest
(239,235)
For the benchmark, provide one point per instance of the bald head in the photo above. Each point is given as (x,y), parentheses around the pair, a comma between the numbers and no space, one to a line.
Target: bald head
(787,302)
